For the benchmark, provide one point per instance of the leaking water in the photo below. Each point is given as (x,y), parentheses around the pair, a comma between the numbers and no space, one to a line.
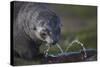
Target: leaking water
(70,44)
(59,48)
(48,47)
(79,43)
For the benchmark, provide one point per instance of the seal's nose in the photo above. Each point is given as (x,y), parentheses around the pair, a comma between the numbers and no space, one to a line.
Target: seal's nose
(54,42)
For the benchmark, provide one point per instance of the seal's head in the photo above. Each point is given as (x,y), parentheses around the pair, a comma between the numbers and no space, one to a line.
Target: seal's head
(48,28)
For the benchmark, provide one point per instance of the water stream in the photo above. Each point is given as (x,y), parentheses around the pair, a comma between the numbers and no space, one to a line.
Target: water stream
(79,43)
(69,45)
(59,48)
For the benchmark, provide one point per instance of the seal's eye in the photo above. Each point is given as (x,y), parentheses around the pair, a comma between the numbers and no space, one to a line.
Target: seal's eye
(43,35)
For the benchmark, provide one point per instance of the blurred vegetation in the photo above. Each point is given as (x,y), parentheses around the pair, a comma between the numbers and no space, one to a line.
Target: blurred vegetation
(79,21)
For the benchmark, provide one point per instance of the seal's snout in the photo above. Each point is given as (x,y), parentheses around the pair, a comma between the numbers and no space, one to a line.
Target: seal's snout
(54,42)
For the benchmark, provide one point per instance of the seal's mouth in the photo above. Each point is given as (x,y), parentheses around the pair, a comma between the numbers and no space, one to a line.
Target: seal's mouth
(50,41)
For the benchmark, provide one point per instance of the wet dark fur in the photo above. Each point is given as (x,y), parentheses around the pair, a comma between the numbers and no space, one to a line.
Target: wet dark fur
(26,44)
